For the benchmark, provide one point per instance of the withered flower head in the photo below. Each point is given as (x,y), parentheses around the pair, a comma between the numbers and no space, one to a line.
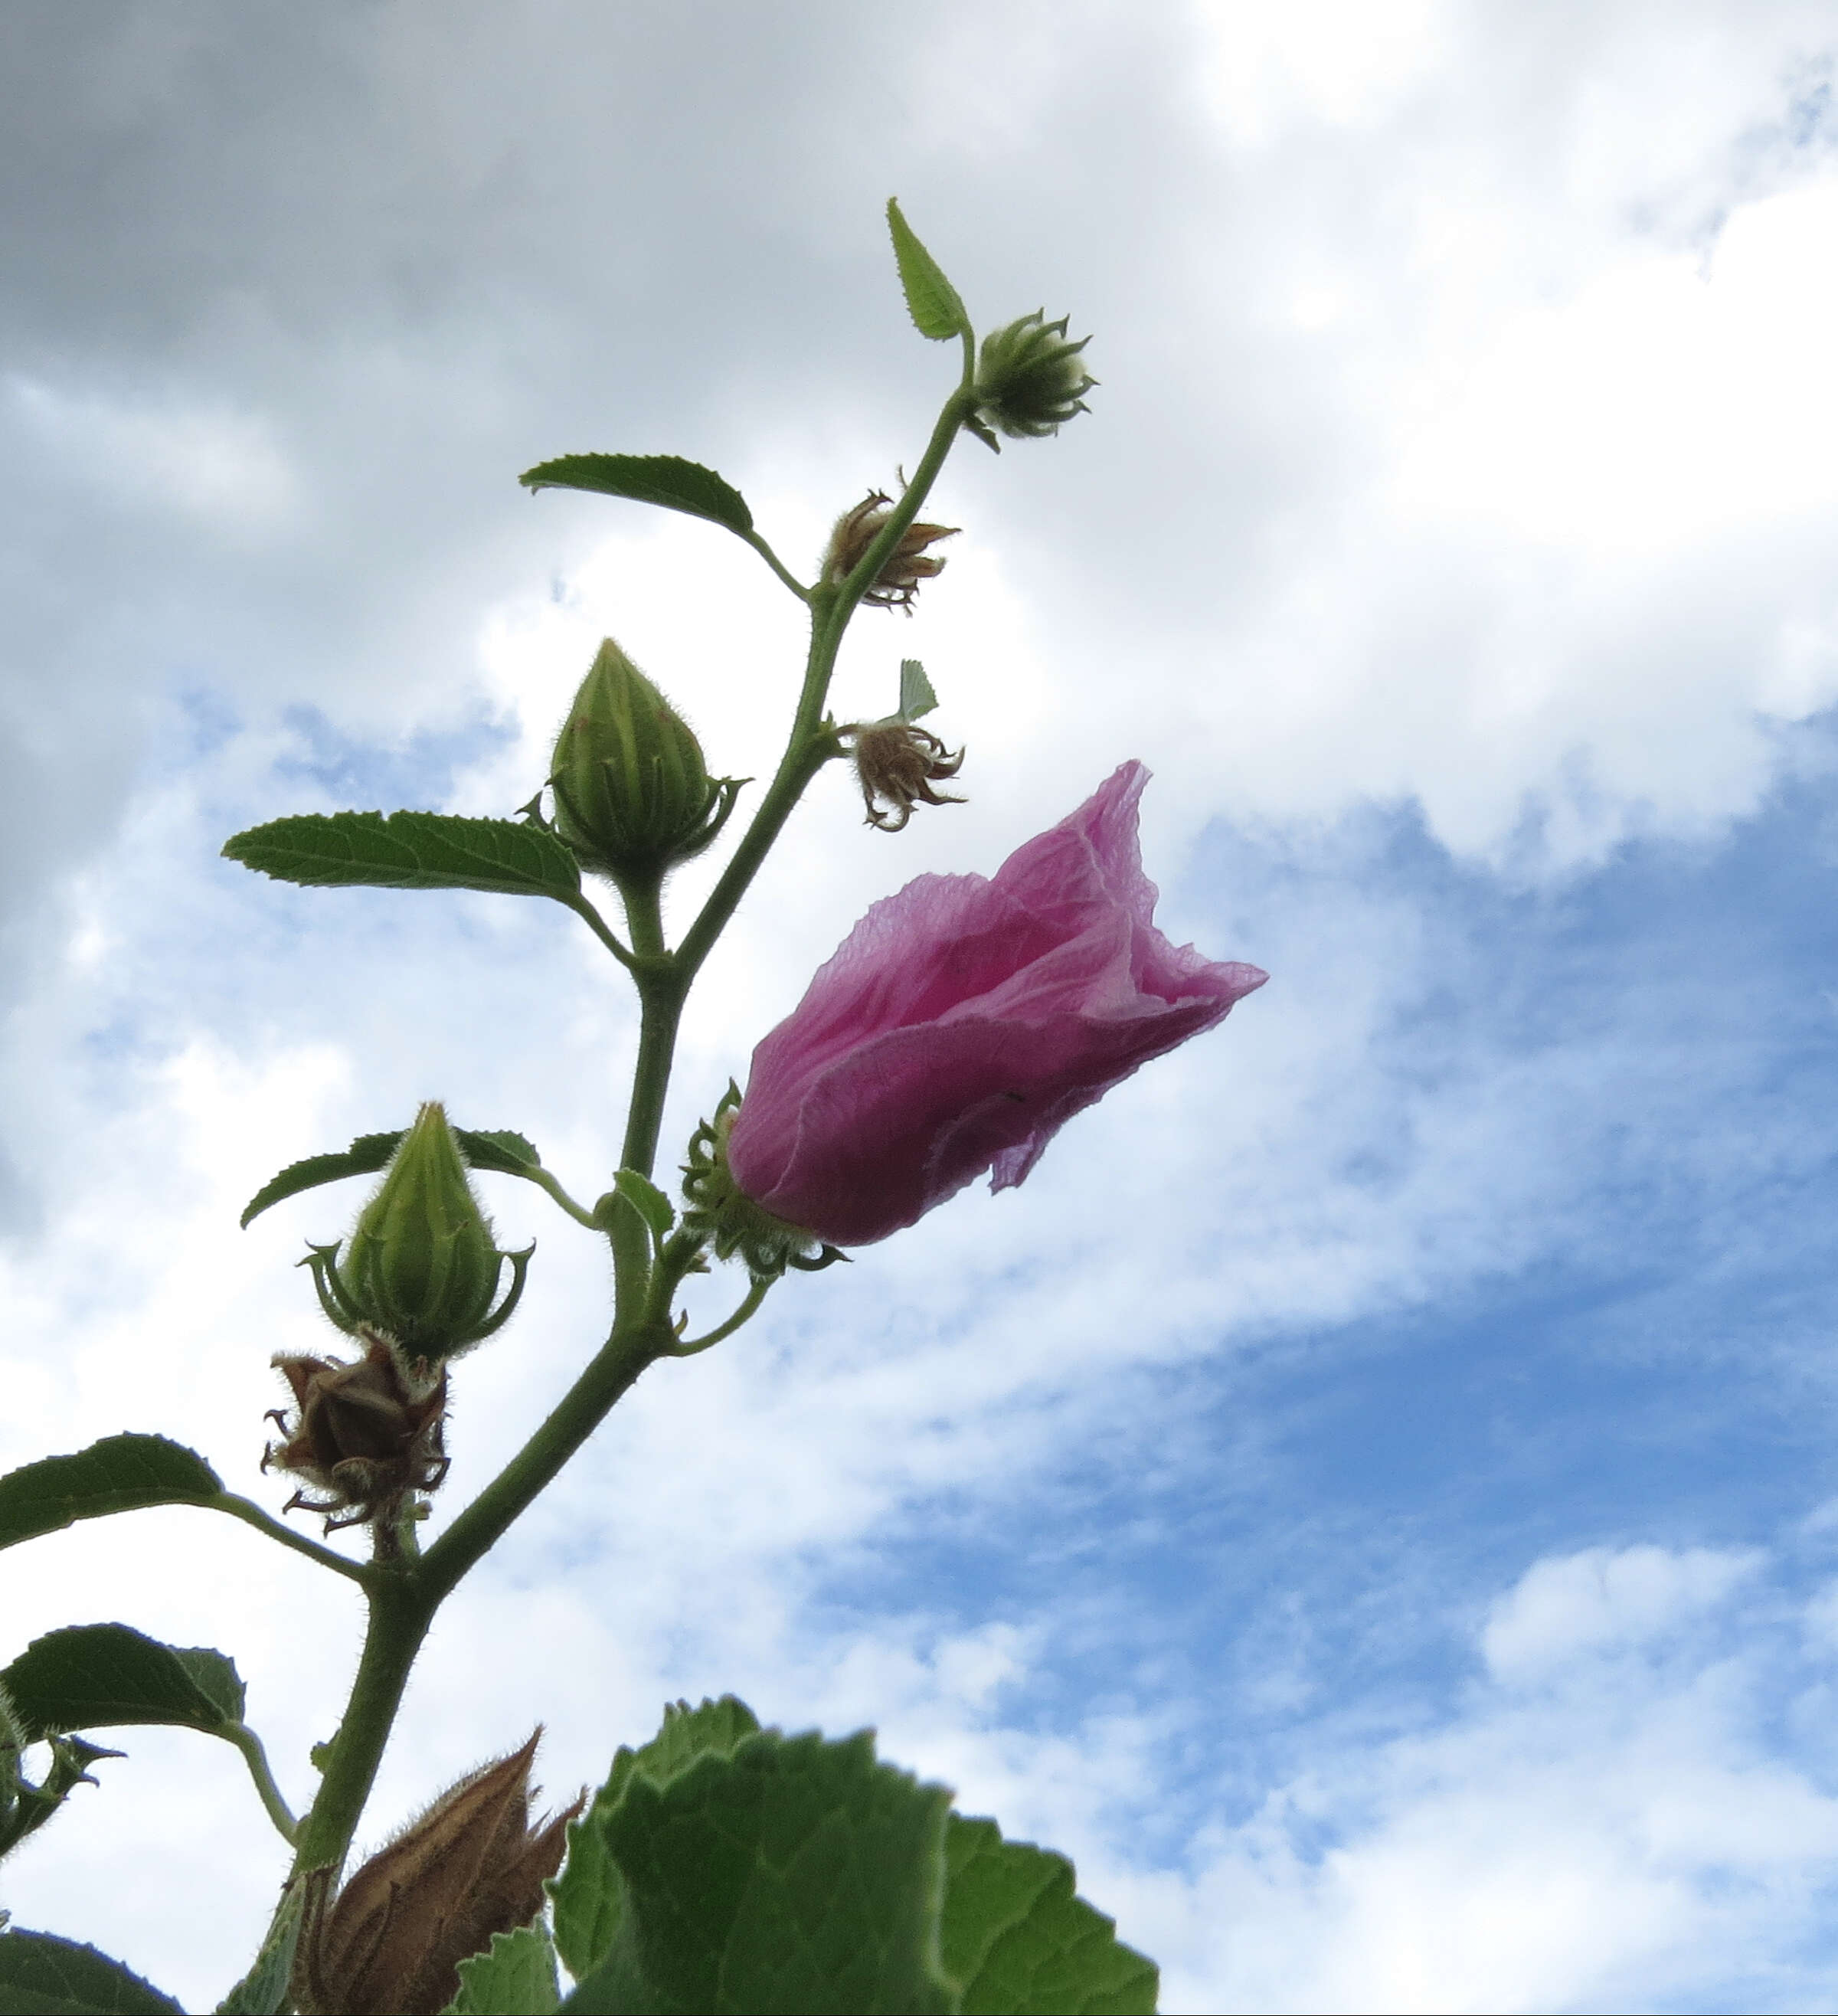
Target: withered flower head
(906,565)
(898,762)
(363,1436)
(390,1944)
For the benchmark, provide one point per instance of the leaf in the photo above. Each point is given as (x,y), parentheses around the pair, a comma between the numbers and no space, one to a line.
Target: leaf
(666,480)
(935,305)
(648,1200)
(121,1474)
(1019,1941)
(43,1975)
(588,1895)
(500,1151)
(409,851)
(516,1976)
(788,1872)
(263,1990)
(916,696)
(107,1676)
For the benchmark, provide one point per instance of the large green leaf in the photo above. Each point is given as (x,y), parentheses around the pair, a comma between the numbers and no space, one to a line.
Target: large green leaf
(936,308)
(1019,1941)
(500,1151)
(787,1874)
(121,1474)
(666,480)
(409,851)
(515,1977)
(42,1975)
(108,1676)
(588,1895)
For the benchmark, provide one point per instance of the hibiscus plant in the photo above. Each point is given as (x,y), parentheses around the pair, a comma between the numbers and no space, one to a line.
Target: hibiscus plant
(721,1865)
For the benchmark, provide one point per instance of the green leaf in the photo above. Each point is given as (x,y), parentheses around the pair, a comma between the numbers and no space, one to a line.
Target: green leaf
(787,1874)
(1019,1941)
(121,1474)
(648,1200)
(409,851)
(666,480)
(107,1676)
(935,305)
(501,1151)
(588,1895)
(263,1990)
(515,1977)
(364,1158)
(916,696)
(43,1975)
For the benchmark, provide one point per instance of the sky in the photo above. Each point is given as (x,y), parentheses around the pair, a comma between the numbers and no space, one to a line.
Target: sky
(1366,1497)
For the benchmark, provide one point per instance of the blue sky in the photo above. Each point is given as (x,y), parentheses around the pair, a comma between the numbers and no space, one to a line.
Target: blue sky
(1366,1495)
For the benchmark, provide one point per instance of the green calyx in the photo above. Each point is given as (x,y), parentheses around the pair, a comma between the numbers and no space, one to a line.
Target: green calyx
(721,1213)
(1029,381)
(633,794)
(421,1265)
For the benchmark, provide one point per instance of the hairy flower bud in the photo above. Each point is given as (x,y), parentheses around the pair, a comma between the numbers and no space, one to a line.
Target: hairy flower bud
(1029,381)
(421,1265)
(897,764)
(391,1941)
(904,568)
(633,794)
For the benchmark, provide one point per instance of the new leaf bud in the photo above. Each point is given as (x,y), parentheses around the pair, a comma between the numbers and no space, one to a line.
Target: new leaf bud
(1029,381)
(421,1266)
(633,794)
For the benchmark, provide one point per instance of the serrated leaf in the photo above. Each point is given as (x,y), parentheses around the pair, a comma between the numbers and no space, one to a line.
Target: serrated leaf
(935,305)
(364,1158)
(1018,1940)
(409,851)
(120,1473)
(43,1975)
(589,1896)
(788,1874)
(916,696)
(263,1990)
(502,1151)
(665,479)
(109,1676)
(516,1976)
(647,1199)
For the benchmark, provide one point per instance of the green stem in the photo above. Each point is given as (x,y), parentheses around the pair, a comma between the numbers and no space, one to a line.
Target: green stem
(598,925)
(777,565)
(252,1514)
(755,1295)
(256,1759)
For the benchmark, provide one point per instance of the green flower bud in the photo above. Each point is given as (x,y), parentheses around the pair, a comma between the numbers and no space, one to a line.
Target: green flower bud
(421,1266)
(1029,381)
(633,794)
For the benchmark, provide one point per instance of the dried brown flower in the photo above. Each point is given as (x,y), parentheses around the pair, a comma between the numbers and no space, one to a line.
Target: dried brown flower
(906,567)
(363,1435)
(899,763)
(391,1941)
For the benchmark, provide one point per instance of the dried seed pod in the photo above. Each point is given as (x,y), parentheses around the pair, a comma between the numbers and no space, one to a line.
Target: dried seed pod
(897,764)
(904,568)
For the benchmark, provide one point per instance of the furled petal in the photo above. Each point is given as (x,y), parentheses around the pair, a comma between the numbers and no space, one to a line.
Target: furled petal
(962,1023)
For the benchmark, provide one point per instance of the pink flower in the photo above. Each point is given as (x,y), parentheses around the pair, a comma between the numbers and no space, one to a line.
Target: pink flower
(963,1022)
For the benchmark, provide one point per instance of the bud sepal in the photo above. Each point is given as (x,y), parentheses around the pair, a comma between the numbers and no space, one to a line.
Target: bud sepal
(719,1212)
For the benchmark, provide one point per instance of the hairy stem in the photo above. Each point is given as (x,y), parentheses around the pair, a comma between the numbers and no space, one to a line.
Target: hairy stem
(256,1759)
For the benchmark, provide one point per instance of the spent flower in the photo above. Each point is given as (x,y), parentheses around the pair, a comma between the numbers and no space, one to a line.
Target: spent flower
(906,567)
(897,764)
(963,1021)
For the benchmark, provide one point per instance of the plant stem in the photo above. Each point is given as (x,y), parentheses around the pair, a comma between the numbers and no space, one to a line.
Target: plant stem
(256,1759)
(252,1514)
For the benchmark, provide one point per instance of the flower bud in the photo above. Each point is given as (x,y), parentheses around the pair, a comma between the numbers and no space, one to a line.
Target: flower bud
(633,794)
(421,1266)
(391,1943)
(904,569)
(1029,381)
(897,764)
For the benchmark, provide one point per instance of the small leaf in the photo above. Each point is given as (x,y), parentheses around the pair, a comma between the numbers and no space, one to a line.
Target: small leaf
(589,1896)
(108,1676)
(364,1158)
(666,480)
(648,1200)
(1018,1941)
(787,1874)
(937,309)
(409,851)
(121,1474)
(43,1975)
(516,1976)
(263,1990)
(916,696)
(501,1151)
